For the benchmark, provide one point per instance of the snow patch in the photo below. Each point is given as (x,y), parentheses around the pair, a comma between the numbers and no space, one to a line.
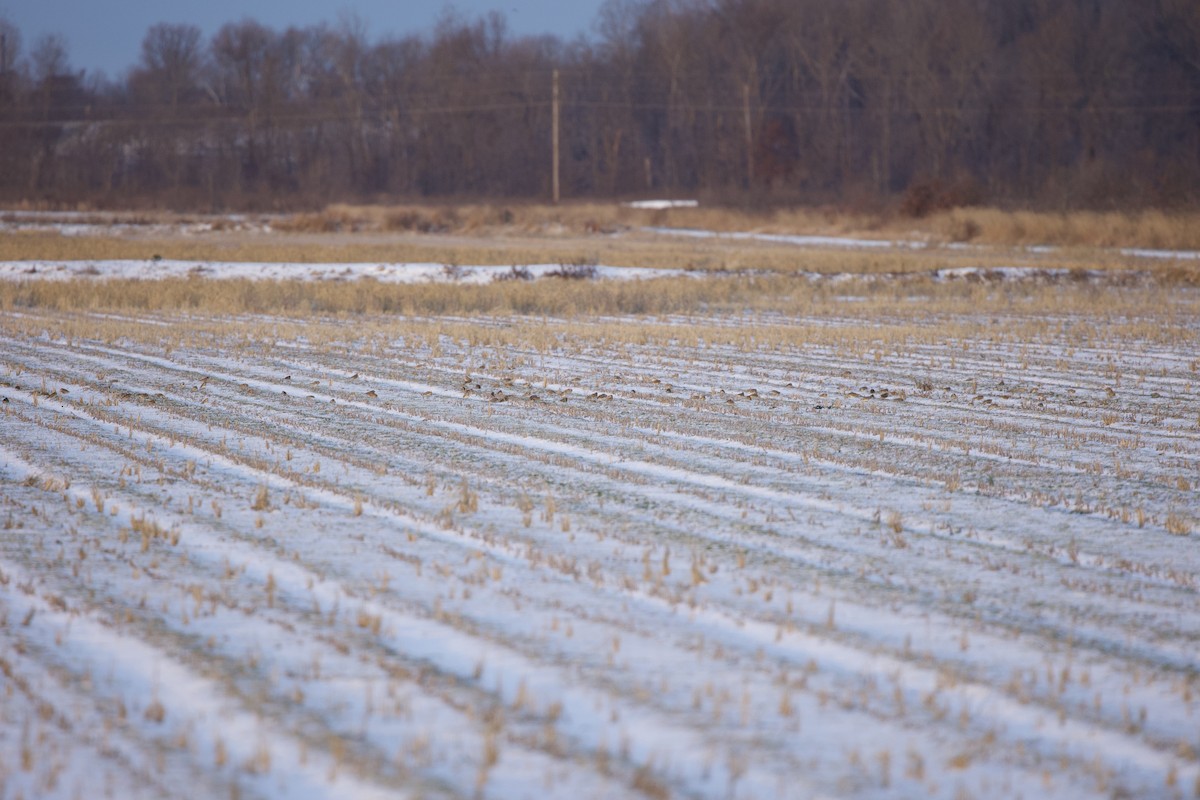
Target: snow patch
(158,269)
(658,205)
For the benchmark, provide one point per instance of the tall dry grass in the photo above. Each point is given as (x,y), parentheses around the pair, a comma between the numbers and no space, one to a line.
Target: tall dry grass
(1148,229)
(878,319)
(633,250)
(1143,229)
(555,297)
(920,300)
(364,247)
(573,218)
(1176,230)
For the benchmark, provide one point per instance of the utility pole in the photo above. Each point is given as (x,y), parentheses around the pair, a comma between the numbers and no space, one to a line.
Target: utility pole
(554,140)
(886,173)
(749,135)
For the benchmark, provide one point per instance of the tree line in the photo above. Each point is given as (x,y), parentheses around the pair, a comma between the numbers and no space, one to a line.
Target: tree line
(1072,103)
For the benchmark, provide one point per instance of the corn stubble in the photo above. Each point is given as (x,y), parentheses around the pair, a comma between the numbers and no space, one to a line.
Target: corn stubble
(731,537)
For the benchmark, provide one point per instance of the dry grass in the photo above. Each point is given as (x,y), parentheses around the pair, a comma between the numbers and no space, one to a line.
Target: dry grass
(918,301)
(699,255)
(504,250)
(763,276)
(299,298)
(1145,229)
(527,234)
(786,313)
(1149,229)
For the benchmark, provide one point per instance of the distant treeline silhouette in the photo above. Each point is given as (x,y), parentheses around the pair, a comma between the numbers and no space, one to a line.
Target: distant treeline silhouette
(928,103)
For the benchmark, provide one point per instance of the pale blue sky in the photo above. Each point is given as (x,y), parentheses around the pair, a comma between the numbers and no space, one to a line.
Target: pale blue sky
(107,34)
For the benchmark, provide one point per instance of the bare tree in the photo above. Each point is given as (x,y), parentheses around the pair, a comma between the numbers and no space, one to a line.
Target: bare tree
(10,45)
(172,59)
(1075,102)
(251,66)
(49,58)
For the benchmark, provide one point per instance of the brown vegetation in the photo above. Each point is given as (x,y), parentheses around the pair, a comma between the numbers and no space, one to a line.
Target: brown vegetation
(526,233)
(926,105)
(894,310)
(943,221)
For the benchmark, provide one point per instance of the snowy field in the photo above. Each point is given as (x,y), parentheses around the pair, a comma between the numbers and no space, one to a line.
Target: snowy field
(84,224)
(862,243)
(402,272)
(711,555)
(431,272)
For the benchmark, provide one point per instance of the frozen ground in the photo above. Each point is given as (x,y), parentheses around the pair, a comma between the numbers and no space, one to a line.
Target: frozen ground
(689,557)
(659,205)
(408,272)
(98,224)
(863,243)
(401,272)
(83,223)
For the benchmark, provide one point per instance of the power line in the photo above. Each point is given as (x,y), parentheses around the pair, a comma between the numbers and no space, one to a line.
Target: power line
(380,113)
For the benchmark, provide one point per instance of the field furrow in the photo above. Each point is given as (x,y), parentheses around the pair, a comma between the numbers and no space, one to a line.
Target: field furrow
(499,556)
